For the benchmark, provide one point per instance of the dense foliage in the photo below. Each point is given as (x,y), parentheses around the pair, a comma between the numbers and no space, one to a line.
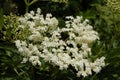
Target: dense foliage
(103,16)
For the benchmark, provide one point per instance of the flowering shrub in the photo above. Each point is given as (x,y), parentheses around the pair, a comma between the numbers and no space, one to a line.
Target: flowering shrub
(63,47)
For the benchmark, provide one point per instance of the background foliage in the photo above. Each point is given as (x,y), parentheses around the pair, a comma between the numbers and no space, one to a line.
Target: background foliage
(105,21)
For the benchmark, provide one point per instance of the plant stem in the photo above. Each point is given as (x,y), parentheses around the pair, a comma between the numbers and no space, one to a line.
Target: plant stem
(27,8)
(32,2)
(28,4)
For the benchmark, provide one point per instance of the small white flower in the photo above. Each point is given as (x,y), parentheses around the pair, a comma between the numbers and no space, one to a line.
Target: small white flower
(38,11)
(36,36)
(97,69)
(34,60)
(20,50)
(22,20)
(88,71)
(18,43)
(23,44)
(49,15)
(28,16)
(84,74)
(21,26)
(69,17)
(31,24)
(32,12)
(24,60)
(54,59)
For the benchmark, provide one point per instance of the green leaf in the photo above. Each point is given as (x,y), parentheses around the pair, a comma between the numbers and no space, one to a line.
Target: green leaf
(8,46)
(89,14)
(113,57)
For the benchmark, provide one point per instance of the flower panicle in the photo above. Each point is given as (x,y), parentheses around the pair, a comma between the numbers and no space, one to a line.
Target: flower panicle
(63,47)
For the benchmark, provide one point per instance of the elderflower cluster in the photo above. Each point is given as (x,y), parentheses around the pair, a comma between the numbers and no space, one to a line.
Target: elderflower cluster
(38,25)
(29,52)
(114,5)
(63,47)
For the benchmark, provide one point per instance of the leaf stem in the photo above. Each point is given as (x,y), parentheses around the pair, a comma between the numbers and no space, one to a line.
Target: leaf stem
(28,4)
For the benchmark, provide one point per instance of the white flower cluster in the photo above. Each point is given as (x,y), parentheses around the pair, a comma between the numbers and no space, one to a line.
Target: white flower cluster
(29,52)
(63,47)
(114,5)
(37,24)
